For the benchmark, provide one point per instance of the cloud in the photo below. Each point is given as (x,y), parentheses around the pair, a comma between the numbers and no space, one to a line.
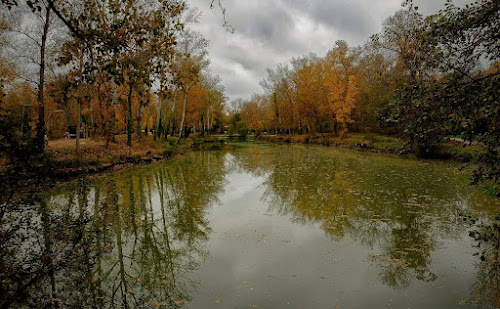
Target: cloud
(269,32)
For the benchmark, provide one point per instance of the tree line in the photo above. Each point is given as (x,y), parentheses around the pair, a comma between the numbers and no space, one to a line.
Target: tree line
(104,68)
(423,79)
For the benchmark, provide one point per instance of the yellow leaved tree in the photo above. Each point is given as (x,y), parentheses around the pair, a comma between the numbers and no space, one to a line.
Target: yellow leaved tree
(341,83)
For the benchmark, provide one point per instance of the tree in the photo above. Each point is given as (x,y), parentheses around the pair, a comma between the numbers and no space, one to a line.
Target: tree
(188,66)
(414,108)
(212,107)
(311,94)
(378,79)
(341,82)
(141,47)
(251,115)
(470,97)
(39,41)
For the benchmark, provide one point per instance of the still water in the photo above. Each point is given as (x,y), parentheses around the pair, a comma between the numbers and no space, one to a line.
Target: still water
(255,226)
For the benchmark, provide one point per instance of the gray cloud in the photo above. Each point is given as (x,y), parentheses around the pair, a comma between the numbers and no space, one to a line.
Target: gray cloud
(269,32)
(348,17)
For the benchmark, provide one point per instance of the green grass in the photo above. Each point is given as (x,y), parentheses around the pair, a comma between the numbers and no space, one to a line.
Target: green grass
(377,143)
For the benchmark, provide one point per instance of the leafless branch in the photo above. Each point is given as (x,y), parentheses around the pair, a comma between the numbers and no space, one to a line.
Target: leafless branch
(226,25)
(26,35)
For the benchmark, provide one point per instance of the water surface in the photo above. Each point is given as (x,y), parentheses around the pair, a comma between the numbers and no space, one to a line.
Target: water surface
(255,226)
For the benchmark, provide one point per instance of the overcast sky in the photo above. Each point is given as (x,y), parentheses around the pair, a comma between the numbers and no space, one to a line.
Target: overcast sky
(269,32)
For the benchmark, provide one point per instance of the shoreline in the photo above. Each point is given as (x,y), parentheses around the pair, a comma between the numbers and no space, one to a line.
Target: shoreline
(62,164)
(451,150)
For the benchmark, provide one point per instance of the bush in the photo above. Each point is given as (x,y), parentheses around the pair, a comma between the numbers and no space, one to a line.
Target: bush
(243,131)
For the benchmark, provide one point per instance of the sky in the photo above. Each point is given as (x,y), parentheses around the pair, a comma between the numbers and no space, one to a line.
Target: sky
(270,32)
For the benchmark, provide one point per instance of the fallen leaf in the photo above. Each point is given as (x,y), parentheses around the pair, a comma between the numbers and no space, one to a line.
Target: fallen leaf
(178,302)
(155,303)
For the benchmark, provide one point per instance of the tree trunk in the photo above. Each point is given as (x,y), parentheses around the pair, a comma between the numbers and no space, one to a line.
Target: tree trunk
(79,106)
(129,118)
(111,109)
(49,250)
(158,118)
(181,129)
(67,112)
(139,122)
(171,119)
(39,142)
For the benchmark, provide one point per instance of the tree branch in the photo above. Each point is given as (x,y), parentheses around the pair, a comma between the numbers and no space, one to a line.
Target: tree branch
(26,35)
(65,20)
(226,25)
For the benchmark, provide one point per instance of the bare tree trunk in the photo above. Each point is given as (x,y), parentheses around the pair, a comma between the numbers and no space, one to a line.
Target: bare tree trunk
(181,128)
(158,117)
(210,121)
(129,118)
(139,121)
(39,142)
(110,134)
(171,119)
(79,106)
(67,113)
(49,250)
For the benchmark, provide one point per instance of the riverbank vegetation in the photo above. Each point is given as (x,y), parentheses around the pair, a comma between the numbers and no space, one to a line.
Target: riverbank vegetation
(92,85)
(93,72)
(424,80)
(97,157)
(371,142)
(97,70)
(148,229)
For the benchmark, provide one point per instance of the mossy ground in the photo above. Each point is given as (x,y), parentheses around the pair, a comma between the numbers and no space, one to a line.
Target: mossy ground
(62,160)
(96,155)
(378,143)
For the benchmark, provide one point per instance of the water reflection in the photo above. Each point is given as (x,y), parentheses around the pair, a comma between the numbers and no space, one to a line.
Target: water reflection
(401,207)
(125,241)
(486,235)
(134,239)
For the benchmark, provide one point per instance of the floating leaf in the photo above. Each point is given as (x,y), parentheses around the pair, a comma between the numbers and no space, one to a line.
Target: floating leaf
(177,301)
(155,303)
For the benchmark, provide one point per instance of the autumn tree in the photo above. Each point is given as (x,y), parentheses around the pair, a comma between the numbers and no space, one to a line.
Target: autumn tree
(341,83)
(212,108)
(378,79)
(311,94)
(466,38)
(280,87)
(251,114)
(413,109)
(188,67)
(35,45)
(142,45)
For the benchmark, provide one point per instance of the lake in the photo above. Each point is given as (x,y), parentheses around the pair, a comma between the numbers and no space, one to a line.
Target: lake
(256,226)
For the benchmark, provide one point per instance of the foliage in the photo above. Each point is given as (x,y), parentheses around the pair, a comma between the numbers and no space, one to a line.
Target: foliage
(98,66)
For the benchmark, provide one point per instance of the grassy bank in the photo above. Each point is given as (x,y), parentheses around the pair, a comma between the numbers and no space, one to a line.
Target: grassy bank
(377,143)
(62,161)
(96,156)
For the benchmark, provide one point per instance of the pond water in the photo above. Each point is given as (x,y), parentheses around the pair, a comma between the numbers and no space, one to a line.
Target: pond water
(255,226)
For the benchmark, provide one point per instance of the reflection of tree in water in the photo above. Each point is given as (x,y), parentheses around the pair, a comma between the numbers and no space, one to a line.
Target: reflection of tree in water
(310,187)
(486,289)
(409,254)
(197,183)
(302,184)
(486,235)
(127,241)
(258,161)
(391,205)
(37,245)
